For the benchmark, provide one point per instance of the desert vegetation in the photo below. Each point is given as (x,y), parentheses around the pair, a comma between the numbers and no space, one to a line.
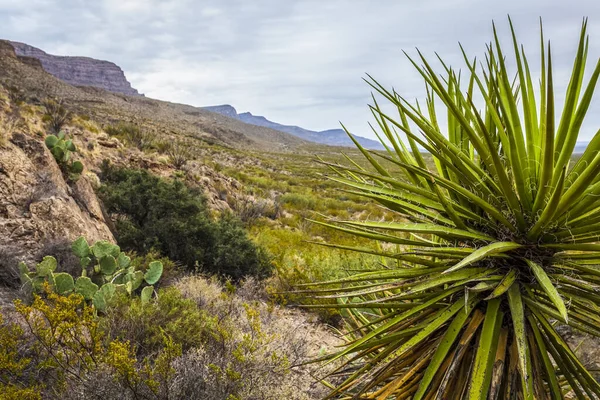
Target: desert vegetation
(192,339)
(451,264)
(499,240)
(173,218)
(56,114)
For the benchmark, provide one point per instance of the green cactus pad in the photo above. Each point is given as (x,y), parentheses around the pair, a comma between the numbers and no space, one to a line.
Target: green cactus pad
(27,283)
(155,270)
(23,269)
(50,279)
(129,287)
(103,248)
(123,260)
(85,261)
(120,289)
(47,266)
(70,146)
(108,290)
(85,287)
(58,153)
(81,248)
(108,265)
(76,167)
(146,294)
(51,141)
(99,301)
(61,135)
(38,282)
(137,279)
(63,283)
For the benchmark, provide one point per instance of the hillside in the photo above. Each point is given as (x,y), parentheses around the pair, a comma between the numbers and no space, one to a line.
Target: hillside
(199,335)
(163,118)
(88,72)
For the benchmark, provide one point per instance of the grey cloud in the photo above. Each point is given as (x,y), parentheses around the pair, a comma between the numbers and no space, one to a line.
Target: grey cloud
(297,62)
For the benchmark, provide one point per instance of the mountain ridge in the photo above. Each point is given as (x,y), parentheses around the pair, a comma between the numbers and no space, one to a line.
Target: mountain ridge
(331,137)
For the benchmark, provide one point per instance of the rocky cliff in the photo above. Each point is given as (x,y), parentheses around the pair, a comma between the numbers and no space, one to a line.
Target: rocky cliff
(80,71)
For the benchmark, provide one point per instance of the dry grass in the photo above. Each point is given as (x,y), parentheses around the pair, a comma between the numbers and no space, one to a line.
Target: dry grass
(8,126)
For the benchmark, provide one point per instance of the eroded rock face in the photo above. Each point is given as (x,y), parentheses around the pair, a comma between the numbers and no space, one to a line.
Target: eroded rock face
(38,208)
(80,71)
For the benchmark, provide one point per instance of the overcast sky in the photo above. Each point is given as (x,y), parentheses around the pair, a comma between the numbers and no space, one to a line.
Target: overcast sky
(296,62)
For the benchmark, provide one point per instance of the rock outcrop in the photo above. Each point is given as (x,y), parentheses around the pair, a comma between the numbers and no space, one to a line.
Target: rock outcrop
(80,71)
(38,208)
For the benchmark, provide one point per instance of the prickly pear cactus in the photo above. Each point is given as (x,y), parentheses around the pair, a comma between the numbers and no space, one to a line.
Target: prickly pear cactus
(106,271)
(106,266)
(62,149)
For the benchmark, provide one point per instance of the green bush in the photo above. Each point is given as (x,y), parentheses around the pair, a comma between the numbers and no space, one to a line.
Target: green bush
(174,219)
(145,324)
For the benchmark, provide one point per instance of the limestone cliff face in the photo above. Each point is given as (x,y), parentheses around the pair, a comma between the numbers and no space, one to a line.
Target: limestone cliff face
(80,71)
(38,208)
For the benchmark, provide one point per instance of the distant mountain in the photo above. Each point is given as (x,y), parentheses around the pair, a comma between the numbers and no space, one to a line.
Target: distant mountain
(332,137)
(580,147)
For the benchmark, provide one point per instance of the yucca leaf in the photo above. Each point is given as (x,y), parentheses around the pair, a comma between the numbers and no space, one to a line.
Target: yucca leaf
(518,318)
(483,252)
(484,360)
(444,347)
(544,281)
(504,285)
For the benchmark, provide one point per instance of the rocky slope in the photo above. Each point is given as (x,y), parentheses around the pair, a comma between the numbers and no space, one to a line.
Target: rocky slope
(331,137)
(80,71)
(38,208)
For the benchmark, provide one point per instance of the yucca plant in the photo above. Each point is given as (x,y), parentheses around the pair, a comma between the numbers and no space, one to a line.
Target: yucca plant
(494,242)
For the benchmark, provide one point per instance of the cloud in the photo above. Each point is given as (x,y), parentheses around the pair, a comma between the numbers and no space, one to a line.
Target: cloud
(297,62)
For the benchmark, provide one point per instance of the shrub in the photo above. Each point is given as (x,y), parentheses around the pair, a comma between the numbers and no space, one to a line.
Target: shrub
(56,114)
(179,153)
(173,218)
(499,237)
(299,201)
(250,210)
(133,135)
(234,254)
(16,95)
(169,348)
(130,320)
(69,354)
(251,352)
